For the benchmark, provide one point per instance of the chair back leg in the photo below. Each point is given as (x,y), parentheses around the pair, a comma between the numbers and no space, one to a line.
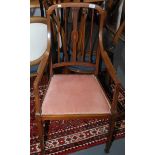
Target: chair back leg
(110,136)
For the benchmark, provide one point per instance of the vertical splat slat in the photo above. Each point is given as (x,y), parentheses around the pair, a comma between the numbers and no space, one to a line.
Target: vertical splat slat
(91,36)
(65,34)
(61,37)
(59,43)
(81,44)
(97,60)
(74,34)
(58,29)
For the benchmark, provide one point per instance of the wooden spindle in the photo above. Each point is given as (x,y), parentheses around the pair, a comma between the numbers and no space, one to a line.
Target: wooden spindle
(65,33)
(83,32)
(58,29)
(74,34)
(91,37)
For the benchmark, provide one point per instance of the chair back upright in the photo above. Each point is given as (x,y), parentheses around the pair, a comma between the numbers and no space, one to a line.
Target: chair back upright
(77,30)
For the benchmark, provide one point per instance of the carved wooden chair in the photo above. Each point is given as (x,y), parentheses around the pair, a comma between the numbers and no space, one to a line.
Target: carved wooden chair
(39,43)
(72,96)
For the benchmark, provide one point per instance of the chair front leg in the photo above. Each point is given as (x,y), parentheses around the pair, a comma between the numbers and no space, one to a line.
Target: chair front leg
(110,135)
(41,134)
(46,129)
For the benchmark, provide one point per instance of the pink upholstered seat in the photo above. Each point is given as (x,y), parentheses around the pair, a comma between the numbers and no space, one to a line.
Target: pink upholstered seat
(75,94)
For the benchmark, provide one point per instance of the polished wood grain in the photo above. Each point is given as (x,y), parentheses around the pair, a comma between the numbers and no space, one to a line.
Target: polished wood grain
(74,1)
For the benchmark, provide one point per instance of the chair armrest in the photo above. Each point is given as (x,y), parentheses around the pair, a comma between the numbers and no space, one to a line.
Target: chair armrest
(108,64)
(112,74)
(40,73)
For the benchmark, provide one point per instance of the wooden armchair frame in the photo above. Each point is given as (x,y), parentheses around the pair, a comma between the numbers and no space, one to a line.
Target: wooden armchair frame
(40,118)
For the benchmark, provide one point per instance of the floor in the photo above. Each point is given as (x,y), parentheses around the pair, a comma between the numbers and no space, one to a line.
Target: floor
(118,148)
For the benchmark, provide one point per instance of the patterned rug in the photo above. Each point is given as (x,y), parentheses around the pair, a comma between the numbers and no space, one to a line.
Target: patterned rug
(66,136)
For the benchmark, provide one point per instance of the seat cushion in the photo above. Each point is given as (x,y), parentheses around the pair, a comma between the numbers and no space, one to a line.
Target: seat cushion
(75,94)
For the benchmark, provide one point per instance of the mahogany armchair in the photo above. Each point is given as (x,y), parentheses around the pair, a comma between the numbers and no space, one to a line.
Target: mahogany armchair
(39,43)
(72,96)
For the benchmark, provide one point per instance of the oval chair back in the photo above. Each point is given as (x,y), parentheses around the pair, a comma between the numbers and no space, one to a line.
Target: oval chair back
(39,42)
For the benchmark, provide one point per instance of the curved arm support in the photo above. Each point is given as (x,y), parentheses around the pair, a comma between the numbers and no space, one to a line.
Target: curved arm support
(40,73)
(109,67)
